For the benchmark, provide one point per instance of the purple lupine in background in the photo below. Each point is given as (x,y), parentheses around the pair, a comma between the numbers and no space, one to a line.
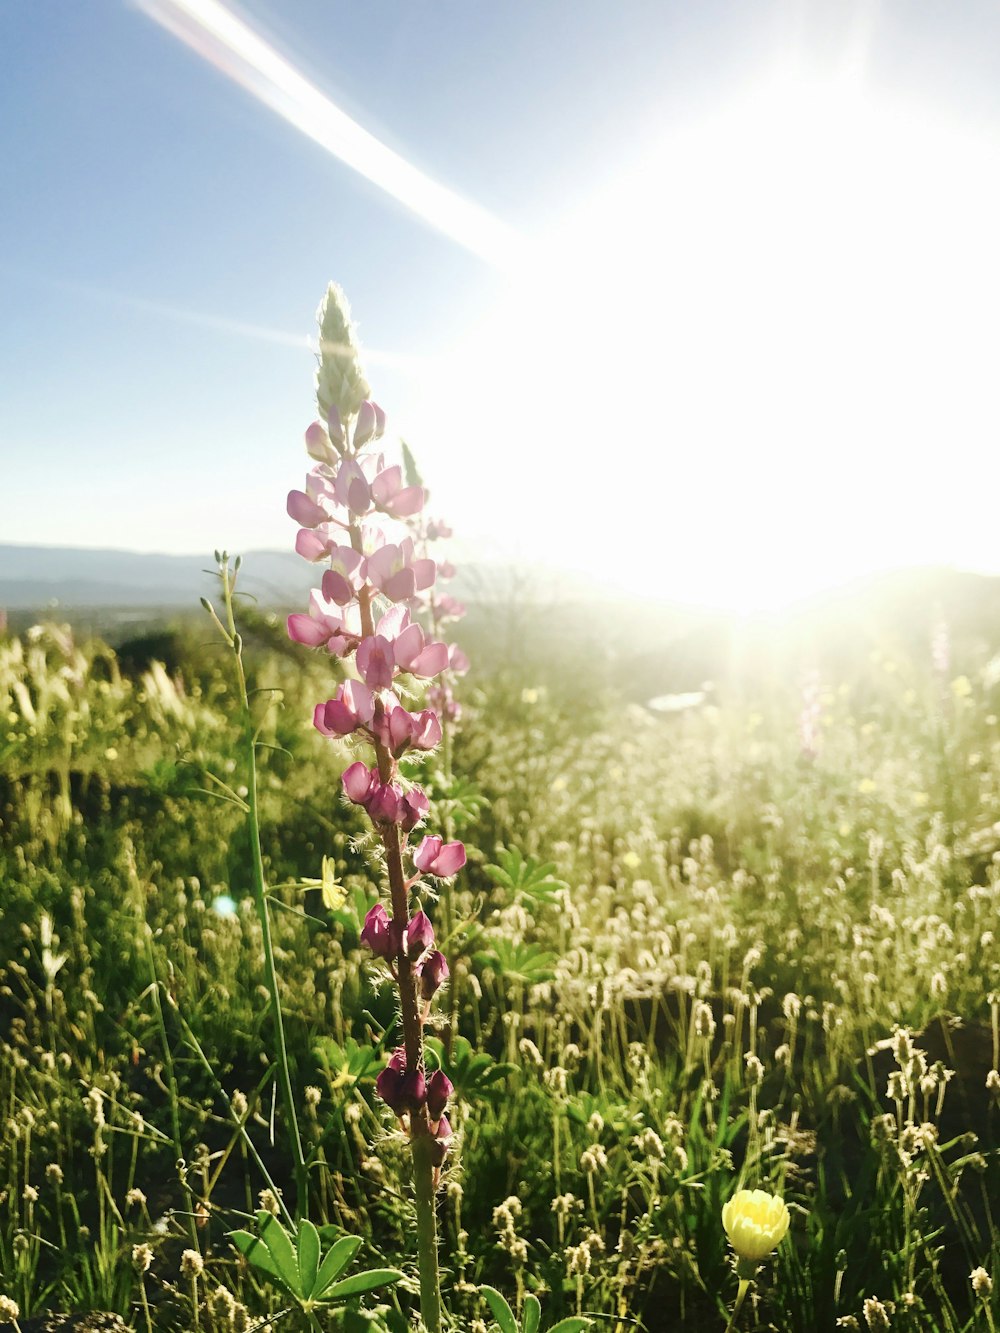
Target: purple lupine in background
(361,520)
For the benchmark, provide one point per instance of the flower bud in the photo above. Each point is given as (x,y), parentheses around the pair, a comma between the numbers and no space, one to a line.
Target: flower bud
(439,1089)
(358,782)
(755,1222)
(419,934)
(413,1089)
(433,973)
(376,932)
(413,807)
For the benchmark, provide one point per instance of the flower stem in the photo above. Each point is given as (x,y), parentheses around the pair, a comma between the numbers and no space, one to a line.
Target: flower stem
(260,900)
(740,1298)
(421,1137)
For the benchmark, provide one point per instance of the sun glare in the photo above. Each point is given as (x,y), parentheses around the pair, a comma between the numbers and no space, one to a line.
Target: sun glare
(763,356)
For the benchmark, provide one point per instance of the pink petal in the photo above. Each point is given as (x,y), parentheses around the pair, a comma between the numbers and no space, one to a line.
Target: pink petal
(336,588)
(319,720)
(407,646)
(432,661)
(311,545)
(407,502)
(358,697)
(457,660)
(357,780)
(426,730)
(379,421)
(304,511)
(340,720)
(318,444)
(307,630)
(424,571)
(387,484)
(424,856)
(358,497)
(365,428)
(400,587)
(393,623)
(335,425)
(450,860)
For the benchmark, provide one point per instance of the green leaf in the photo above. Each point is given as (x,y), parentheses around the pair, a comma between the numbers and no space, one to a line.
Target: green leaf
(275,1237)
(532,1314)
(337,1259)
(502,1312)
(256,1252)
(308,1248)
(575,1324)
(410,472)
(362,1282)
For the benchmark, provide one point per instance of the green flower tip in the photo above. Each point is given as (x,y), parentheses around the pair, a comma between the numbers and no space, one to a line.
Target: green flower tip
(755,1222)
(340,379)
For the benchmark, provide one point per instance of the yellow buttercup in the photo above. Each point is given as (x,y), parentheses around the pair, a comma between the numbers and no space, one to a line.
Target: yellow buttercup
(755,1222)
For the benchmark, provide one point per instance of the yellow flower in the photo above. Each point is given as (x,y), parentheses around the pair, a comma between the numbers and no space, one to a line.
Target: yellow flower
(755,1223)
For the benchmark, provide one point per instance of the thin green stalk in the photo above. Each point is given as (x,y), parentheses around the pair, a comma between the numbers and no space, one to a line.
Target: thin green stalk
(168,1065)
(740,1298)
(260,898)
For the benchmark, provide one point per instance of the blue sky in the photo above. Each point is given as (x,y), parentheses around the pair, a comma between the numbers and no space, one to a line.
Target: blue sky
(165,239)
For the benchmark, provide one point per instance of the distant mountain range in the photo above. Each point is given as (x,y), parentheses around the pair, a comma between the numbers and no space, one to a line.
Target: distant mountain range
(36,578)
(662,646)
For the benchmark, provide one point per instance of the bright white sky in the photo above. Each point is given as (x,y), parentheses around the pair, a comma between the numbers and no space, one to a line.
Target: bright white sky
(748,354)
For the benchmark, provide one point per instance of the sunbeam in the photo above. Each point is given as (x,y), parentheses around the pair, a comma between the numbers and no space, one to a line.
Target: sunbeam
(229,44)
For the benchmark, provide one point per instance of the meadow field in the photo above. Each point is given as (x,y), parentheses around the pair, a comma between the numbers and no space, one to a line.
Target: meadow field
(752,943)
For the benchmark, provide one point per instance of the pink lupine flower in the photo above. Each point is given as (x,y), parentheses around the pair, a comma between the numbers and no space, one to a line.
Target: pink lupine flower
(433,973)
(370,424)
(351,487)
(448,608)
(413,1089)
(324,625)
(457,660)
(400,731)
(394,572)
(320,446)
(315,543)
(389,1084)
(419,934)
(345,575)
(359,782)
(433,858)
(384,803)
(377,934)
(391,496)
(352,707)
(442,1141)
(410,650)
(375,662)
(437,530)
(305,511)
(439,1089)
(413,807)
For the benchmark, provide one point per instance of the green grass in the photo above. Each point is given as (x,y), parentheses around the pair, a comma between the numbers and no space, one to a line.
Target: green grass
(712,894)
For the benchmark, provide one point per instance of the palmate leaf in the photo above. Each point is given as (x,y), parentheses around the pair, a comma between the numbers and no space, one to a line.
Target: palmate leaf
(337,1259)
(362,1282)
(525,876)
(256,1252)
(277,1240)
(308,1257)
(527,963)
(474,1073)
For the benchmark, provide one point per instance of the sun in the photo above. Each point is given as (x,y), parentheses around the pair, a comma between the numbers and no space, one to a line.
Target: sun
(758,363)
